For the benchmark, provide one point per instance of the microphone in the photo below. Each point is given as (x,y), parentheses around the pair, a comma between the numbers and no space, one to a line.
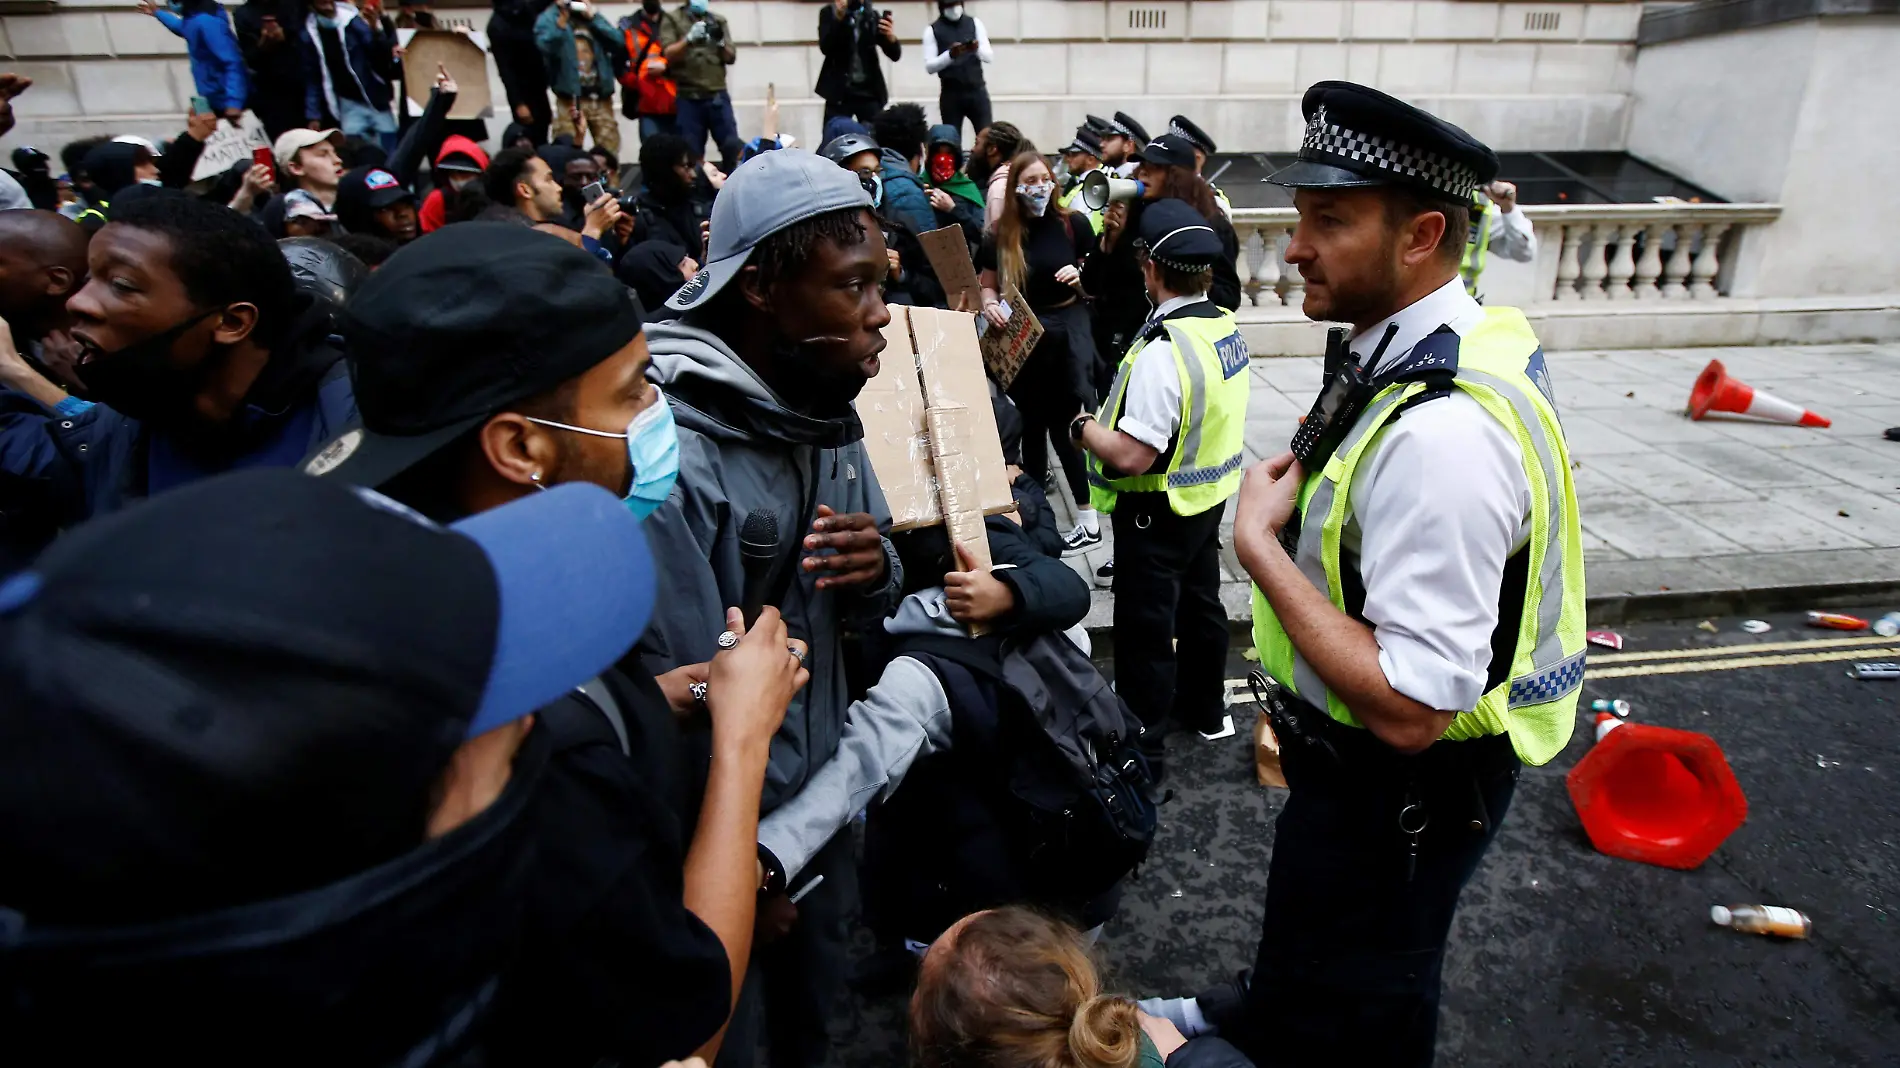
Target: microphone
(758,548)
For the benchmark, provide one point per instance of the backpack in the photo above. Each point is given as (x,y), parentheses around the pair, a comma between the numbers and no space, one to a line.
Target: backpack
(1077,790)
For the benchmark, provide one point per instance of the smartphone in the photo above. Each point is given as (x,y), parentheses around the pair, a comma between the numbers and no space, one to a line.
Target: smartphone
(592,191)
(261,157)
(199,105)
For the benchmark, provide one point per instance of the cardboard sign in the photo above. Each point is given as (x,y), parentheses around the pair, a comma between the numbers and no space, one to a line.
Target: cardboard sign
(929,429)
(228,144)
(1005,350)
(461,57)
(949,255)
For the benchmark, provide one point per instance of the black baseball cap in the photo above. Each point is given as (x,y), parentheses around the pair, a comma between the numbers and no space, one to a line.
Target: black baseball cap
(456,326)
(1168,150)
(1357,136)
(371,188)
(248,686)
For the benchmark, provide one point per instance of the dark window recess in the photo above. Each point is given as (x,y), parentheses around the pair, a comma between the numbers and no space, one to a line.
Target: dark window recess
(1542,21)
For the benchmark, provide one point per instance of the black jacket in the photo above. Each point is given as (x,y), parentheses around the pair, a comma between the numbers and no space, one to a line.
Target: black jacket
(549,930)
(1113,278)
(836,40)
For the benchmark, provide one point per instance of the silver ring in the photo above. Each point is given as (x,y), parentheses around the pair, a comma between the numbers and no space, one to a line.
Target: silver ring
(798,653)
(727,639)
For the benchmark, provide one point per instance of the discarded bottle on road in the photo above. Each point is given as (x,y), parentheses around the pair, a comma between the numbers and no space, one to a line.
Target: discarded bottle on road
(1619,706)
(1762,920)
(1885,669)
(1836,621)
(1888,626)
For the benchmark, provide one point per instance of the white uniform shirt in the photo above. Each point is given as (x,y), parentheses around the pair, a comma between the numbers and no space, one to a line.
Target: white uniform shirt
(935,61)
(1440,501)
(1151,409)
(1511,236)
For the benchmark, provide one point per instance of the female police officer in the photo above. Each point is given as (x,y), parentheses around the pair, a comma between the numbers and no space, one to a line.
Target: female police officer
(1424,629)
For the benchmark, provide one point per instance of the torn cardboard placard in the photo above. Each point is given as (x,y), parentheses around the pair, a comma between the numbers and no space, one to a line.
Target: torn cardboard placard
(1266,754)
(929,429)
(461,57)
(949,255)
(1005,350)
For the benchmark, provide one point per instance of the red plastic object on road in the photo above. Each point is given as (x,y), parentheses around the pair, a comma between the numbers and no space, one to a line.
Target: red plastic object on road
(1715,391)
(1836,621)
(1656,795)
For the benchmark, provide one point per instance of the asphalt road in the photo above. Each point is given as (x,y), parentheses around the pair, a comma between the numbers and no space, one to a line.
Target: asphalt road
(1561,955)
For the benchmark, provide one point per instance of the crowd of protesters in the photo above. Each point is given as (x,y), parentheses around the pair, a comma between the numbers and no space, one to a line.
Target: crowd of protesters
(393,676)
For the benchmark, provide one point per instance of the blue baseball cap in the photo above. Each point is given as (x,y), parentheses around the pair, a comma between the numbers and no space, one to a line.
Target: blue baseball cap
(265,651)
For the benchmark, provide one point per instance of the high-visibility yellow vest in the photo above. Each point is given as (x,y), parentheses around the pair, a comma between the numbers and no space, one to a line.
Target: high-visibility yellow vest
(1477,241)
(1501,366)
(1202,465)
(1072,200)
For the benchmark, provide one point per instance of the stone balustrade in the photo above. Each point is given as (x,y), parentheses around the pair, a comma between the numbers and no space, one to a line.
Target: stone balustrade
(1586,252)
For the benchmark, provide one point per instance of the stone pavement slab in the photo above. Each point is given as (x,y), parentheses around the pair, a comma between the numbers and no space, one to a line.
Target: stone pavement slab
(1682,516)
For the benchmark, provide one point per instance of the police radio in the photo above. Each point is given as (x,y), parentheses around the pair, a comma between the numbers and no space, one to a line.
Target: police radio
(1345,389)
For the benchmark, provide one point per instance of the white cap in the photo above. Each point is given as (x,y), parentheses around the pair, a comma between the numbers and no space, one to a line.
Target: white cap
(1720,914)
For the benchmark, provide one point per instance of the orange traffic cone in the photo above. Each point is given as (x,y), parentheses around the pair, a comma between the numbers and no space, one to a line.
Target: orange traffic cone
(1656,795)
(1715,391)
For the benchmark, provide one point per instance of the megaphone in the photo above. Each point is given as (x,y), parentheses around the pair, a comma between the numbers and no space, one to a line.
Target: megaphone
(1099,190)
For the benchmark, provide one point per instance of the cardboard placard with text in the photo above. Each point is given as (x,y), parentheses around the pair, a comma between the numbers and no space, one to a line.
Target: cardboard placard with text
(461,57)
(229,144)
(949,255)
(1005,350)
(929,429)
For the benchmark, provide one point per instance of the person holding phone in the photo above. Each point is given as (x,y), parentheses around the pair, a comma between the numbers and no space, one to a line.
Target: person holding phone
(217,64)
(579,47)
(267,38)
(851,33)
(955,49)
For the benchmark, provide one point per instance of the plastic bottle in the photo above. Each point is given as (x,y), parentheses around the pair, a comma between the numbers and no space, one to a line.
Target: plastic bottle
(1836,621)
(1888,626)
(1762,920)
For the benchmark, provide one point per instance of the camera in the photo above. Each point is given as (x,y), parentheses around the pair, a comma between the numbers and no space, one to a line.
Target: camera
(715,33)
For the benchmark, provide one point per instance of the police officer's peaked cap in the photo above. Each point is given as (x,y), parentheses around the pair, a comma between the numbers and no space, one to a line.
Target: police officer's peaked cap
(1177,236)
(1181,127)
(1126,126)
(1086,140)
(1356,136)
(1101,126)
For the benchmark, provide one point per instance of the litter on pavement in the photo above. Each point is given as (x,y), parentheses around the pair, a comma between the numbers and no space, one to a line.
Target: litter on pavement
(1762,920)
(1836,621)
(1618,707)
(1756,626)
(1886,671)
(1888,626)
(1707,625)
(1609,639)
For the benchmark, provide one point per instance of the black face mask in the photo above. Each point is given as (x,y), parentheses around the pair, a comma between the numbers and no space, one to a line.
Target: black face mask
(810,385)
(140,382)
(651,7)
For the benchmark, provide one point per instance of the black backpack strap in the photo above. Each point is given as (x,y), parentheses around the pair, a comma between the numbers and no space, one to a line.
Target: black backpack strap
(595,692)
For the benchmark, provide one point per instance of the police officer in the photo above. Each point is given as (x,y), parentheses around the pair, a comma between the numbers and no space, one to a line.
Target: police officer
(1164,455)
(1203,146)
(1424,633)
(1082,157)
(1122,137)
(1497,228)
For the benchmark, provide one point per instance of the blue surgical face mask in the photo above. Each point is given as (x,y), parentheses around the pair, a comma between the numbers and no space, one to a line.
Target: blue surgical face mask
(653,454)
(326,22)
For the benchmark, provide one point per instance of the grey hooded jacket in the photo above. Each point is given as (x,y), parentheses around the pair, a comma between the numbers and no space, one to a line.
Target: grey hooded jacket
(741,449)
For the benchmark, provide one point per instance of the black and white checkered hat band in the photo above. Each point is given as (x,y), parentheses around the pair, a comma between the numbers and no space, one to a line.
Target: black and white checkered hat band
(1329,142)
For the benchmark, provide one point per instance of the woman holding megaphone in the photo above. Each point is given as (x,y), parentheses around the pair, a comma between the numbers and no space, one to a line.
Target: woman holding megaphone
(1035,254)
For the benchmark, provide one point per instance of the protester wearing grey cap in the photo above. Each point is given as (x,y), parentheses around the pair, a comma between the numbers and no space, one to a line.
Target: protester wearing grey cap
(777,335)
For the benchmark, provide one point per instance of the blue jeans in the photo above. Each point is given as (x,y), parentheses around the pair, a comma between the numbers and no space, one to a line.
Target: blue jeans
(713,115)
(361,120)
(652,125)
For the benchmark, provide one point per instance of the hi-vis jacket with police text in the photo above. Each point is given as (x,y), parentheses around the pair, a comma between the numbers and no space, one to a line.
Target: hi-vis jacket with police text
(1202,465)
(1500,365)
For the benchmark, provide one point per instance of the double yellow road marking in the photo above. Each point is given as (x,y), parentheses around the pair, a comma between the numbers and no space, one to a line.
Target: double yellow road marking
(1733,657)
